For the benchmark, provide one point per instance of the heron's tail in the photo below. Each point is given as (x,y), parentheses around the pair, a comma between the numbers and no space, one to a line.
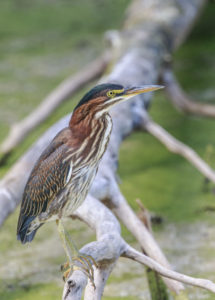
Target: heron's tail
(23,233)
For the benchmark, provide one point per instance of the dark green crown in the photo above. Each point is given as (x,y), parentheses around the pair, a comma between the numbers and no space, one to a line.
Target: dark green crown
(99,90)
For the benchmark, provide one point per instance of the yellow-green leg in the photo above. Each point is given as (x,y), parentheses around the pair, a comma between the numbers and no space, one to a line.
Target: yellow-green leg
(74,256)
(64,241)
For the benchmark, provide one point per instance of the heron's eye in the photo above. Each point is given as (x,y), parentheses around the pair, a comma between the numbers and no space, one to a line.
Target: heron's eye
(111,94)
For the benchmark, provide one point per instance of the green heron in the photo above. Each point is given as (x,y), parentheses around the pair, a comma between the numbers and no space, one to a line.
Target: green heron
(63,174)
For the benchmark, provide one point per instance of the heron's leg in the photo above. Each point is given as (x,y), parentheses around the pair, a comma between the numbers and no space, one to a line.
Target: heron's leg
(71,243)
(76,253)
(64,241)
(75,259)
(86,260)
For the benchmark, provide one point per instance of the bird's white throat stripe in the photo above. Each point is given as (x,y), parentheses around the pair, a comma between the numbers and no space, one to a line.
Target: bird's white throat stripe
(69,173)
(97,138)
(101,112)
(106,134)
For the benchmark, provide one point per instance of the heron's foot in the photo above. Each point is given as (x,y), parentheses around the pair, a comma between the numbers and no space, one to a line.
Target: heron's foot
(64,266)
(83,263)
(66,269)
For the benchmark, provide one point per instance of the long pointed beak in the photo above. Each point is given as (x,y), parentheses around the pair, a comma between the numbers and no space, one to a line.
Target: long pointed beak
(130,92)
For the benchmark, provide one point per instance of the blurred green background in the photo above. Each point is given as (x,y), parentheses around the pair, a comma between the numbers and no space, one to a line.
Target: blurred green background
(41,43)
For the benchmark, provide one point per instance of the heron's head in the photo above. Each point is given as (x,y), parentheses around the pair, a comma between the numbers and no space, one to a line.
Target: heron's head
(102,97)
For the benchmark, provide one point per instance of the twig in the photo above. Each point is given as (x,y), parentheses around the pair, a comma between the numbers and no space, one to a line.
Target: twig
(178,147)
(144,215)
(181,100)
(147,261)
(157,288)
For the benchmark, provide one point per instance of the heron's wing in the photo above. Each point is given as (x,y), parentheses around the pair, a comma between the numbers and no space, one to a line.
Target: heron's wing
(50,175)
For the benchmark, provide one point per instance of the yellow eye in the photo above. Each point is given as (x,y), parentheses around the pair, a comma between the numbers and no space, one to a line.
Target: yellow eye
(111,94)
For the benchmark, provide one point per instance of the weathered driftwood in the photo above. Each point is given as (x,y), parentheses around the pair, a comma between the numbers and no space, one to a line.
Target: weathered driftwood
(107,249)
(61,93)
(150,33)
(181,100)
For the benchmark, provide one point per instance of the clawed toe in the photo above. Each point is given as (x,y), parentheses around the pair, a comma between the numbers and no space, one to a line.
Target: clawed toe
(64,266)
(86,262)
(83,263)
(66,274)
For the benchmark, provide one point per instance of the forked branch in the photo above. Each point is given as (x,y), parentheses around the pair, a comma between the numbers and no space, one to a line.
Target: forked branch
(106,251)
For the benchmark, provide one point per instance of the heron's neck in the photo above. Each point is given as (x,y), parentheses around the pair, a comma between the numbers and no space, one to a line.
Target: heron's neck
(83,121)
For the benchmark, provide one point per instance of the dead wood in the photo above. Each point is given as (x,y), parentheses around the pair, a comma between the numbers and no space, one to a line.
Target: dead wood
(177,147)
(107,249)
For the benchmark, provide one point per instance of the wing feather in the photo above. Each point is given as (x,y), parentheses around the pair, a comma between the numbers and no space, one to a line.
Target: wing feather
(49,176)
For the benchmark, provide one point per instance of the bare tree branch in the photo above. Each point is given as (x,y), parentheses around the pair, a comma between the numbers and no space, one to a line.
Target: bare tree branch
(147,261)
(106,251)
(142,234)
(181,100)
(178,147)
(101,275)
